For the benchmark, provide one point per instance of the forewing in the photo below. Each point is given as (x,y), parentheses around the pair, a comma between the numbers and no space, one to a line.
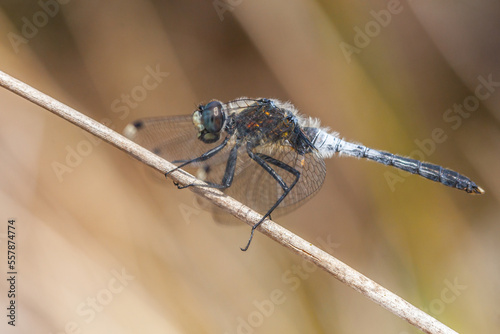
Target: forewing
(173,138)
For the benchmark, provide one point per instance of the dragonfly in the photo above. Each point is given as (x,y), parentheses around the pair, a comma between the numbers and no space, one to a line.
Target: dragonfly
(264,153)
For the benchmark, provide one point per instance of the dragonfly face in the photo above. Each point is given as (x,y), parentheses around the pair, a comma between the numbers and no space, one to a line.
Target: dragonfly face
(264,153)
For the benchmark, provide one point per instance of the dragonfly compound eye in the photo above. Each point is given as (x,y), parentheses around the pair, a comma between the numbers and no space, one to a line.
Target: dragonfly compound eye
(212,117)
(209,120)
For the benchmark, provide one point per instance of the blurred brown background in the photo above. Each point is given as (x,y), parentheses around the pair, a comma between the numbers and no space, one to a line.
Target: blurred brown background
(104,248)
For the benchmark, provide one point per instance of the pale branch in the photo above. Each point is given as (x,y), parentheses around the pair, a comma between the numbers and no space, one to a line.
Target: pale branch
(330,264)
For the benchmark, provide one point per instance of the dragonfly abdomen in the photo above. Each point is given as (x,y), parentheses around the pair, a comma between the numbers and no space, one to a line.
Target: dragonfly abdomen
(328,145)
(427,170)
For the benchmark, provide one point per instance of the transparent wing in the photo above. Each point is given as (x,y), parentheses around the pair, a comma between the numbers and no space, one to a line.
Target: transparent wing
(256,188)
(173,138)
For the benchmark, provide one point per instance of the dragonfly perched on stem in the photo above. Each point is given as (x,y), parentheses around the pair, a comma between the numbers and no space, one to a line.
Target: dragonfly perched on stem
(264,153)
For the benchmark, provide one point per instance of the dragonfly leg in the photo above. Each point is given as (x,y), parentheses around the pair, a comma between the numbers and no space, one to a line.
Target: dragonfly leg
(228,177)
(264,161)
(205,156)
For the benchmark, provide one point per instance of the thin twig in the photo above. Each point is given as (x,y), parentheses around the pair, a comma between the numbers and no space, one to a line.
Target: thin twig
(338,269)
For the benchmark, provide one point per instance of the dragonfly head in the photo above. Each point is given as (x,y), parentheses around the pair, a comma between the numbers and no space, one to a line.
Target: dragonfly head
(209,120)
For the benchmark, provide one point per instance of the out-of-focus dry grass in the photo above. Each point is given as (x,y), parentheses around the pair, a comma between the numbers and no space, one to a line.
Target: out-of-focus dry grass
(186,274)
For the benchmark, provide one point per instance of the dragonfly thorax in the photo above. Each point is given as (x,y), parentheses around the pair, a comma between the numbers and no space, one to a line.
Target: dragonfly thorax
(266,124)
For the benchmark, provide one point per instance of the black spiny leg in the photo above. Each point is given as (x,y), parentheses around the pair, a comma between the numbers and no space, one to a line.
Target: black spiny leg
(227,179)
(203,157)
(264,161)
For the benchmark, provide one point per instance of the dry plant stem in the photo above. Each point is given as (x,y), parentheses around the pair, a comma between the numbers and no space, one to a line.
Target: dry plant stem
(338,269)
